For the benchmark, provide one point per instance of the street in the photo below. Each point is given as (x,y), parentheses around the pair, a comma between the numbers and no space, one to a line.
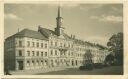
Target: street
(113,70)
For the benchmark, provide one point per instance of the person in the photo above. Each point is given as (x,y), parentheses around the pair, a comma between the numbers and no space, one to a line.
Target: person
(7,72)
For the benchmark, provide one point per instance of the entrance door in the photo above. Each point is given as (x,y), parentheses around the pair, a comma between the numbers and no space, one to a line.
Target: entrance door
(20,67)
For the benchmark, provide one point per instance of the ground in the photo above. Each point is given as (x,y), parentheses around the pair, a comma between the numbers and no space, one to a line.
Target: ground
(111,70)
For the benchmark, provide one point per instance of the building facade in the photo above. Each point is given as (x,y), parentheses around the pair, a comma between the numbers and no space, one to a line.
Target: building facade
(46,48)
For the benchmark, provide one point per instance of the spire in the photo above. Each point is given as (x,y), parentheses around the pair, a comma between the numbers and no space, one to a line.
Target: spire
(59,18)
(59,29)
(59,14)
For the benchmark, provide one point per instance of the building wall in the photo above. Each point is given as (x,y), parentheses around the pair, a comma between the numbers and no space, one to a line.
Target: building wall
(30,53)
(9,53)
(60,51)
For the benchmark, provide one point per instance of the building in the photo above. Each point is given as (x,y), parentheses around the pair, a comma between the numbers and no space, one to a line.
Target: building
(46,48)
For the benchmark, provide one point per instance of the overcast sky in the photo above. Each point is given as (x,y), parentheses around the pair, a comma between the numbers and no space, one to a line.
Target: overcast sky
(91,22)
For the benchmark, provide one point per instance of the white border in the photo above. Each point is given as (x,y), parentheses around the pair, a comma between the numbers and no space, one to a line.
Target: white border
(125,27)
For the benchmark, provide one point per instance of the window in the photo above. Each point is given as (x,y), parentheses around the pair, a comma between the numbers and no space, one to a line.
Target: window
(42,62)
(69,53)
(37,44)
(33,53)
(28,43)
(37,53)
(20,52)
(28,63)
(45,53)
(20,43)
(33,44)
(55,52)
(64,53)
(64,45)
(72,53)
(51,43)
(56,61)
(60,44)
(41,53)
(52,61)
(45,62)
(51,52)
(55,43)
(32,62)
(72,45)
(42,45)
(45,45)
(37,62)
(28,52)
(61,53)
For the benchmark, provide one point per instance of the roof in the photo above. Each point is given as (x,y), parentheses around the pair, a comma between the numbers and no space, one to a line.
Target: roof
(46,32)
(31,34)
(66,36)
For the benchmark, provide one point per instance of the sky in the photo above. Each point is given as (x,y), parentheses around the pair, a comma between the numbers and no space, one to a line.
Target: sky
(90,22)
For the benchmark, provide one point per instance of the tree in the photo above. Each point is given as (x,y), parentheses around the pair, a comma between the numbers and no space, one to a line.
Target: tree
(109,59)
(115,45)
(88,57)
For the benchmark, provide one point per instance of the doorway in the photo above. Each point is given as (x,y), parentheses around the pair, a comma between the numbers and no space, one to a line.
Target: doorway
(20,65)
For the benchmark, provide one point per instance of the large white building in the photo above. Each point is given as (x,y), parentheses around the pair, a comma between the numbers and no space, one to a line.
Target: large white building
(46,48)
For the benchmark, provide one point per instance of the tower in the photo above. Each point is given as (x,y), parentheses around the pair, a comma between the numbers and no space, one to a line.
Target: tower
(59,29)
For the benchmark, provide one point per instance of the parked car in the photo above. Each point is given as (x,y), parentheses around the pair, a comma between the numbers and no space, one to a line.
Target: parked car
(86,67)
(98,65)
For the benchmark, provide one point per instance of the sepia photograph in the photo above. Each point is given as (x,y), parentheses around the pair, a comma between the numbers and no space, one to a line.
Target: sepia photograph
(63,39)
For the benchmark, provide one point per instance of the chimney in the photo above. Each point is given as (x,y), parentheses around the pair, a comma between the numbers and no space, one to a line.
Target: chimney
(39,28)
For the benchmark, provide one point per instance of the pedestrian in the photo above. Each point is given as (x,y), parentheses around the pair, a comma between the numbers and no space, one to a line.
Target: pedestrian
(7,72)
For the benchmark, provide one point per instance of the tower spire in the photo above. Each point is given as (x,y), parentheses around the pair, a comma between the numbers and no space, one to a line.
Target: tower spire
(59,18)
(59,29)
(59,14)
